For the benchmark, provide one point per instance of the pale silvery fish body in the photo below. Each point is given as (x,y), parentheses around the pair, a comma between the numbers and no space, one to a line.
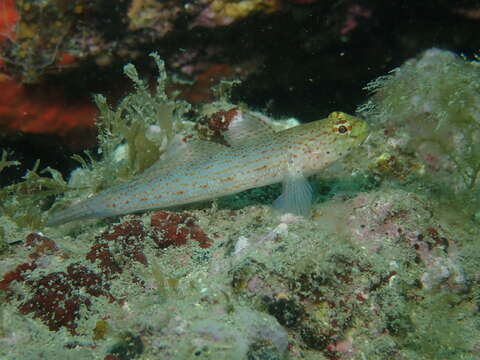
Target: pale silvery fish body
(254,156)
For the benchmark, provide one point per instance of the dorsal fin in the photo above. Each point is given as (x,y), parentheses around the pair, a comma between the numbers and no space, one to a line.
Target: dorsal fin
(183,152)
(245,125)
(187,150)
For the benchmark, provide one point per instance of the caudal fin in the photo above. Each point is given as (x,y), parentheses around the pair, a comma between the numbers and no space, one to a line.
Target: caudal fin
(78,211)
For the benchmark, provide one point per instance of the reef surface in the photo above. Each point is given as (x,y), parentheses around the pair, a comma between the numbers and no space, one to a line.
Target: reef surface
(385,267)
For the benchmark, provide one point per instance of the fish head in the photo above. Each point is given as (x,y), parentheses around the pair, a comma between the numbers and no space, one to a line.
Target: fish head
(349,128)
(343,131)
(333,137)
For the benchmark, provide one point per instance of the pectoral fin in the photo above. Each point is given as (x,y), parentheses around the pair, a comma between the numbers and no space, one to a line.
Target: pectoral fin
(296,197)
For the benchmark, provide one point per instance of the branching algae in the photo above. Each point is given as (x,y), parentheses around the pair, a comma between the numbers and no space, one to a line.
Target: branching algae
(435,101)
(130,138)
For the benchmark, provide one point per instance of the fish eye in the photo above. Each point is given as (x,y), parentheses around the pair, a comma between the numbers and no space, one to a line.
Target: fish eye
(342,129)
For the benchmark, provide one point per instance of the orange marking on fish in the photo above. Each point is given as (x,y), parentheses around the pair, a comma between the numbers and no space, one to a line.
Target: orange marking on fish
(260,168)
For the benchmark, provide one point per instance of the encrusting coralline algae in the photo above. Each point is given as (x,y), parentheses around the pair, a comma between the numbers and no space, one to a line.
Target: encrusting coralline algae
(384,267)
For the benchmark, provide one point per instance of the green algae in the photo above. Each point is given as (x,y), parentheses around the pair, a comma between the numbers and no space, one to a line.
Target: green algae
(130,138)
(433,99)
(4,163)
(143,120)
(25,202)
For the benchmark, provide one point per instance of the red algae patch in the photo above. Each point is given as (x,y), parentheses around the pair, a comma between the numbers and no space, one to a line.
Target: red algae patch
(176,229)
(60,299)
(57,297)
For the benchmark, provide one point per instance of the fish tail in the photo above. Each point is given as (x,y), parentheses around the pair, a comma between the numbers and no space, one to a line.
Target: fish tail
(78,211)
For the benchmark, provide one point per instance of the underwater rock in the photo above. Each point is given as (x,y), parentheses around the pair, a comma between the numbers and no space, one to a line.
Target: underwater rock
(129,347)
(329,280)
(430,103)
